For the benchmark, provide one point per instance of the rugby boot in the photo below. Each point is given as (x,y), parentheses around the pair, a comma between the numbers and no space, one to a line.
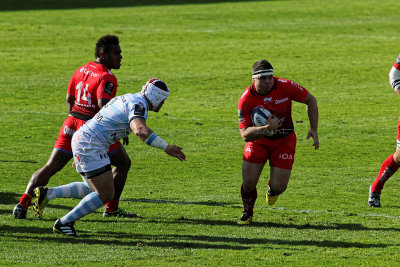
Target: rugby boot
(271,197)
(19,211)
(120,213)
(374,199)
(247,218)
(65,229)
(40,201)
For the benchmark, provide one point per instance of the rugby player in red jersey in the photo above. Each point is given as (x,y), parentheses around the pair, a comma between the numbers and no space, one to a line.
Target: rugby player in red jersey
(392,163)
(89,89)
(276,141)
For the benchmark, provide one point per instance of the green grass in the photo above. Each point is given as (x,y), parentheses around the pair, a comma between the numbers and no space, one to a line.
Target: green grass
(341,51)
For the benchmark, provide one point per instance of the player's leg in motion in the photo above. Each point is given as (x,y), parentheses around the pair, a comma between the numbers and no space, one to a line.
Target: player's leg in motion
(44,195)
(58,159)
(104,186)
(251,173)
(277,184)
(120,159)
(388,168)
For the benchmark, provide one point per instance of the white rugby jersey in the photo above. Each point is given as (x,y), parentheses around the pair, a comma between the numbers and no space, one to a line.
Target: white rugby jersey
(112,122)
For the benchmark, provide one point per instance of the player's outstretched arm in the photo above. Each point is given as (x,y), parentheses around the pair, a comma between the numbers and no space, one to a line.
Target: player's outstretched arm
(312,109)
(145,134)
(175,151)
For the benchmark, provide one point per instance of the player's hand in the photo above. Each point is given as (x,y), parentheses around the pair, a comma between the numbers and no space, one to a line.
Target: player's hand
(125,141)
(314,134)
(272,125)
(175,151)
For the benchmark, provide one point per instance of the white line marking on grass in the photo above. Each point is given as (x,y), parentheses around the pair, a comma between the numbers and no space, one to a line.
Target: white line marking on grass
(333,212)
(39,112)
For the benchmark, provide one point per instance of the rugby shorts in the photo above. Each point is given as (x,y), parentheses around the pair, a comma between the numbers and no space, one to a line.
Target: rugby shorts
(90,155)
(69,127)
(398,134)
(279,152)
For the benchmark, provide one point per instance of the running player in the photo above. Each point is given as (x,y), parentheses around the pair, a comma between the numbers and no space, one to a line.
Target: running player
(116,120)
(89,89)
(275,141)
(392,163)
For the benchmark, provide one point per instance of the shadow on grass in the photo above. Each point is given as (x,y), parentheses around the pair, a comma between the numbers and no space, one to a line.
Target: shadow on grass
(172,241)
(202,203)
(19,161)
(75,4)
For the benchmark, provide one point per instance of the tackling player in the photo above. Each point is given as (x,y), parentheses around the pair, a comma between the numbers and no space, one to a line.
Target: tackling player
(276,95)
(116,120)
(89,89)
(392,163)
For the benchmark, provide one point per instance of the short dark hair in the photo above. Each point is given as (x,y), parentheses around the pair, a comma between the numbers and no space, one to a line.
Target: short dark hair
(261,65)
(104,44)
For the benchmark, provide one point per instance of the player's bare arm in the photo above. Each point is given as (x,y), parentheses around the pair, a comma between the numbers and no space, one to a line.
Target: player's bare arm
(312,109)
(102,102)
(394,79)
(147,135)
(254,133)
(70,99)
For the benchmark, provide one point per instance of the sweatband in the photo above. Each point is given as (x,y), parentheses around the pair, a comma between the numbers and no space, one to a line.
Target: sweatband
(260,73)
(156,141)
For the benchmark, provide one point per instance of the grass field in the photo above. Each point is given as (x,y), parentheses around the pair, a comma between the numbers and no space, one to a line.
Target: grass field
(341,51)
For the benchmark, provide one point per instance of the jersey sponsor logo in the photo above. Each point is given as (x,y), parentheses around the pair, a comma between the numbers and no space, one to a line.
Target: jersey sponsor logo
(109,88)
(240,114)
(88,72)
(284,81)
(68,131)
(278,101)
(286,156)
(267,99)
(139,110)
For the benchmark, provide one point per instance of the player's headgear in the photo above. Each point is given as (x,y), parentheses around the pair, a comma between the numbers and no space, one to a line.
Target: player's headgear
(155,91)
(262,68)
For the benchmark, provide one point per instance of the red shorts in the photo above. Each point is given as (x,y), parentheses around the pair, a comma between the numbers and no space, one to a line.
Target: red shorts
(280,152)
(69,127)
(398,129)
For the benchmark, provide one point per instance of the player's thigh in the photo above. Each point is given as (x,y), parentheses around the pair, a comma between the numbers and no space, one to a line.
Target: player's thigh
(103,184)
(279,179)
(58,159)
(251,173)
(119,157)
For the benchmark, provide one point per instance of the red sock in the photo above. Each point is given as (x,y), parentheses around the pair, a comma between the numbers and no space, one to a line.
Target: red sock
(25,201)
(248,199)
(388,168)
(112,205)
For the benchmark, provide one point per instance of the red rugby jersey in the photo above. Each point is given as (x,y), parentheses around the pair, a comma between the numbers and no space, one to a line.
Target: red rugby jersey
(278,101)
(89,83)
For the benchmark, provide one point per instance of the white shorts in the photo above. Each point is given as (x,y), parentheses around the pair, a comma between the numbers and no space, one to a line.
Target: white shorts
(89,153)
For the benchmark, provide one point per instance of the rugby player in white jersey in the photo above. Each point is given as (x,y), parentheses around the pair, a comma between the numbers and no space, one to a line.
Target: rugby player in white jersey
(116,120)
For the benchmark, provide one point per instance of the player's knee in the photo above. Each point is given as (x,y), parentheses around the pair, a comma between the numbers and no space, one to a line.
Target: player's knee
(249,186)
(107,196)
(396,157)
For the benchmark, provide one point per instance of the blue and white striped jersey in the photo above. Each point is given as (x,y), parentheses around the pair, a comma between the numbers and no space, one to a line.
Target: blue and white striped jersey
(112,122)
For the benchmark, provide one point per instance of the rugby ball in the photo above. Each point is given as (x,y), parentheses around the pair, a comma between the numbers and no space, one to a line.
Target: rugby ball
(259,116)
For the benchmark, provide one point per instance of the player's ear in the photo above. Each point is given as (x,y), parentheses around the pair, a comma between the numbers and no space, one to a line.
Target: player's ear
(102,54)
